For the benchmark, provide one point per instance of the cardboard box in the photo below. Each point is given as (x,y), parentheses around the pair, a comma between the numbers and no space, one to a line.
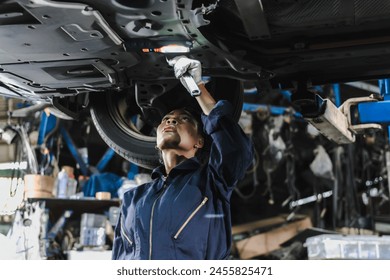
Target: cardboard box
(38,186)
(263,236)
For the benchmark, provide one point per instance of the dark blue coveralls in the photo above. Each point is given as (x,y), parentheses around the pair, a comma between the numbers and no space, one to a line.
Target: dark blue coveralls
(187,215)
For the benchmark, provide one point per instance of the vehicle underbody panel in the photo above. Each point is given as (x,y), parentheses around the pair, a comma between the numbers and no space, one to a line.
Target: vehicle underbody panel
(55,48)
(67,52)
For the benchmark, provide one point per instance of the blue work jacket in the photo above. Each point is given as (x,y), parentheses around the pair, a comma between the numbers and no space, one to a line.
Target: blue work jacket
(187,215)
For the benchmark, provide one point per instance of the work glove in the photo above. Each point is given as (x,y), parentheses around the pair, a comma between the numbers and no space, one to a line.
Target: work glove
(182,65)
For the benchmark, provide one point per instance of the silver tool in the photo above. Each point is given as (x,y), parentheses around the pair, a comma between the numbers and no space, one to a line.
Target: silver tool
(191,85)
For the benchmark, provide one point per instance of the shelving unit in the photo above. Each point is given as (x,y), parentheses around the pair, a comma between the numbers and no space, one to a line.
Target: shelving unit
(58,206)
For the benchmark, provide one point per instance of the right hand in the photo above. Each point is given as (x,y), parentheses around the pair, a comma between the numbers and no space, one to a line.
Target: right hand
(182,64)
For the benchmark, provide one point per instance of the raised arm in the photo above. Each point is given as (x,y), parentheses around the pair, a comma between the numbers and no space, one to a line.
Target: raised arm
(183,65)
(231,150)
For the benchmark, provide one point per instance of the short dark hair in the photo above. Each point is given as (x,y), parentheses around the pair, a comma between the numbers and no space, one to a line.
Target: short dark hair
(203,153)
(196,115)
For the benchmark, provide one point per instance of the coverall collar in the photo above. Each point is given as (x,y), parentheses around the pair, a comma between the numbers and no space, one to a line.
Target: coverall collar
(189,164)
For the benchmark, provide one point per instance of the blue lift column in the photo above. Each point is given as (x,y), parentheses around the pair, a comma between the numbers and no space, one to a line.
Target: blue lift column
(377,111)
(47,124)
(384,86)
(73,150)
(105,159)
(337,94)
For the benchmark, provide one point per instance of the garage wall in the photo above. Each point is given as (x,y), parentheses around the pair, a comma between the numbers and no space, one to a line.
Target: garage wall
(7,153)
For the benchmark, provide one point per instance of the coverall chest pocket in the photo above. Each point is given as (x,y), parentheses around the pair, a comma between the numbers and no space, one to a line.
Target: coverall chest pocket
(127,239)
(189,218)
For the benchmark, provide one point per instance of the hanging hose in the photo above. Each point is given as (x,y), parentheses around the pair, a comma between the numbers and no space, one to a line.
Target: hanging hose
(15,175)
(255,179)
(353,206)
(44,165)
(31,158)
(337,183)
(290,172)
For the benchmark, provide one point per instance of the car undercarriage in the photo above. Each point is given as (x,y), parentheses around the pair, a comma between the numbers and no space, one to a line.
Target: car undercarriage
(281,63)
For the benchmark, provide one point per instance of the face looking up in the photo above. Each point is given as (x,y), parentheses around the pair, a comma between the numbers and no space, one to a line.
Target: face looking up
(179,130)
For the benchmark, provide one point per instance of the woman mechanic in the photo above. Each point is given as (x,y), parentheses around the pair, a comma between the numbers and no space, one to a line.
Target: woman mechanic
(184,213)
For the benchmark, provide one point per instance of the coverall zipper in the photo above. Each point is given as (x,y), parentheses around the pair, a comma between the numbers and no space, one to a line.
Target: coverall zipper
(190,217)
(125,235)
(151,221)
